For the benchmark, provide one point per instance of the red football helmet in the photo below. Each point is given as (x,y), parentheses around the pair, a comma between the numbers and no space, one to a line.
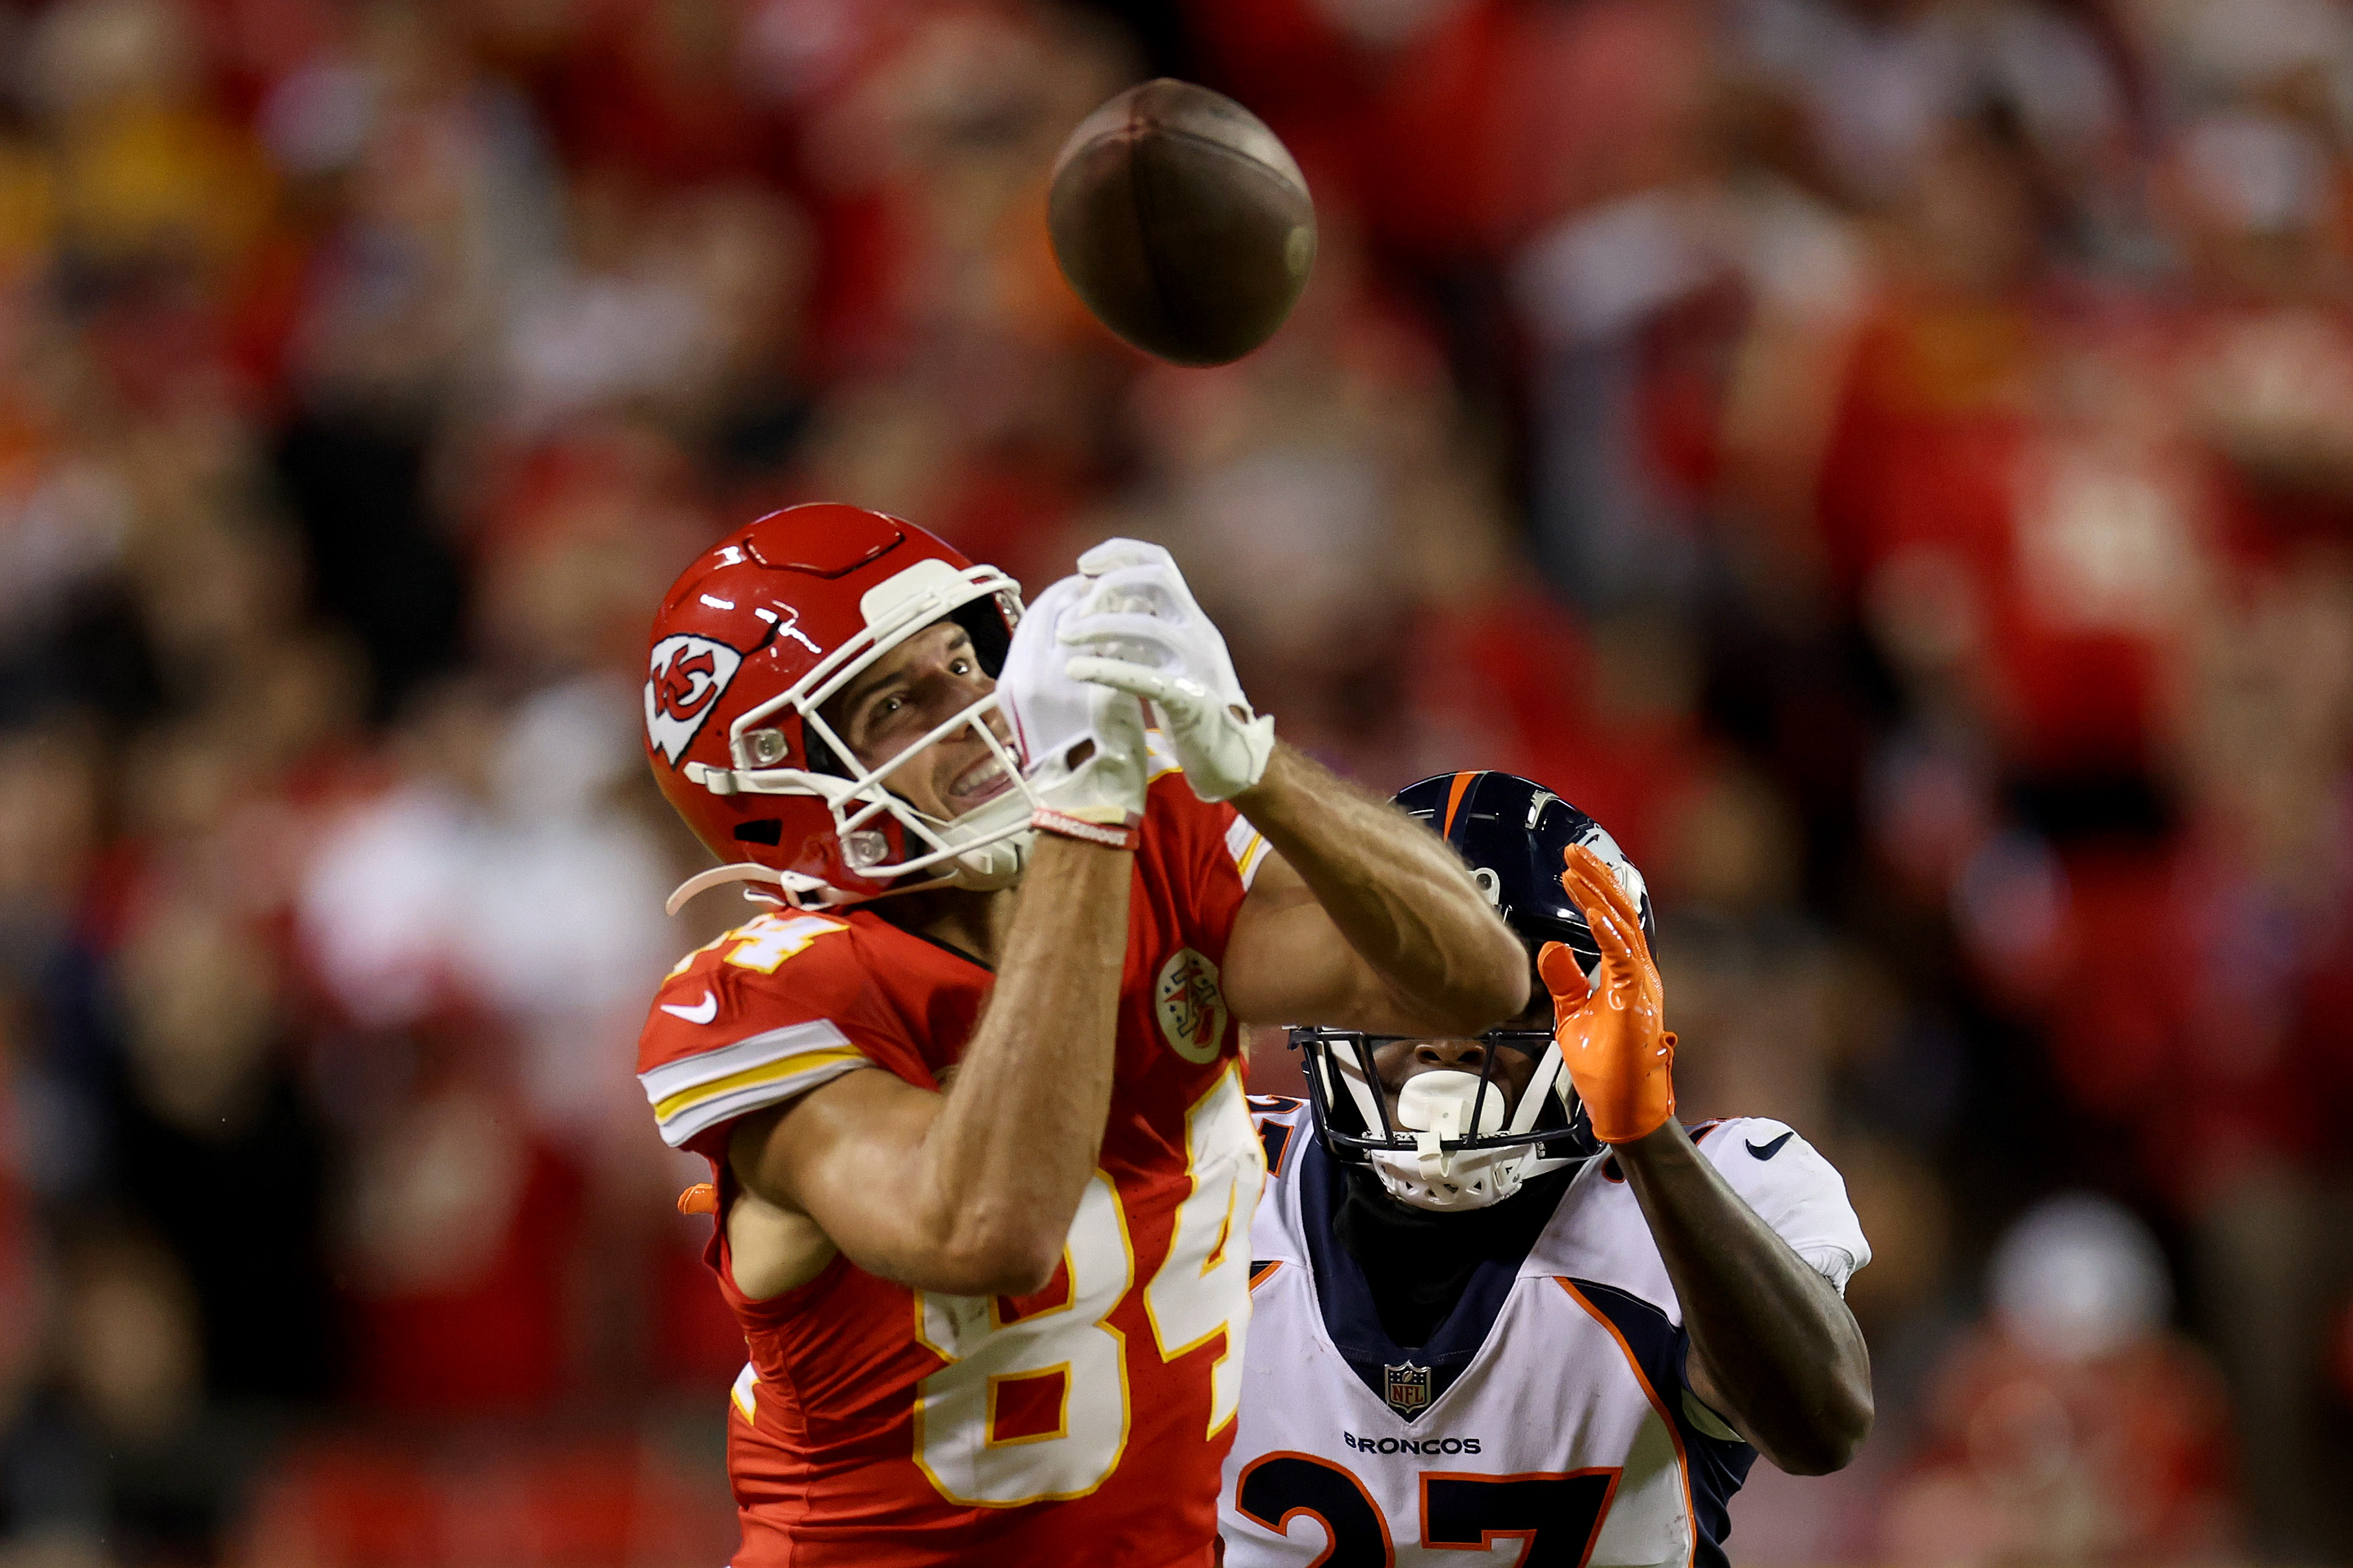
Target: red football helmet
(767,624)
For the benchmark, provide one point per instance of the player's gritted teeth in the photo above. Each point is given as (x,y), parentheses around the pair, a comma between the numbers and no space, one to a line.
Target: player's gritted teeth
(984,781)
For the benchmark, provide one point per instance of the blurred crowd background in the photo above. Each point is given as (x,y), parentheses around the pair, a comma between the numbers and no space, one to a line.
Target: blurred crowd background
(1891,460)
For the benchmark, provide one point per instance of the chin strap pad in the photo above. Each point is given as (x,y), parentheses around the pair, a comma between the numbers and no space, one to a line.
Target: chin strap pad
(794,884)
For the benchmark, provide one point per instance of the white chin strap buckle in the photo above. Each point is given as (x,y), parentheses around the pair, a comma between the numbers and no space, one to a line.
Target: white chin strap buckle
(718,781)
(997,864)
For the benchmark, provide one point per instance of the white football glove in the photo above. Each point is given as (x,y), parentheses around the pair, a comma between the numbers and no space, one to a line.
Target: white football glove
(1053,716)
(1141,633)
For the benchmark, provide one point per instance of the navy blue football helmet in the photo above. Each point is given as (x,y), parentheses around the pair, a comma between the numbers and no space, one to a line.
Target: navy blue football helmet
(1450,1144)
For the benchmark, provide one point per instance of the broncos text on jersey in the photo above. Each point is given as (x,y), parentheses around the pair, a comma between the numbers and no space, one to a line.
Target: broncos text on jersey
(1547,1417)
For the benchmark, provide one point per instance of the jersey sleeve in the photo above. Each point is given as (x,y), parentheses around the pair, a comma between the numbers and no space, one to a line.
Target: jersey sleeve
(765,1013)
(1207,848)
(1246,846)
(1793,1189)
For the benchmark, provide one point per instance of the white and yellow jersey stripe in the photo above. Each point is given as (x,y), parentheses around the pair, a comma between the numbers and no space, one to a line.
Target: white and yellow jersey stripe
(693,1092)
(1248,847)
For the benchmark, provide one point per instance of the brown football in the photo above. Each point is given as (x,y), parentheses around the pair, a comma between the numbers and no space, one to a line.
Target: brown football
(1182,222)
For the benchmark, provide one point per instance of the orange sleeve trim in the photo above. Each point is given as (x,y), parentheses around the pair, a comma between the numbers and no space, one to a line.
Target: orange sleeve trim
(1674,1433)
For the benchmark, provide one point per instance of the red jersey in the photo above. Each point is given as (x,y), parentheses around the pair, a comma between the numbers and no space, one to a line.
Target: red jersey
(881,1425)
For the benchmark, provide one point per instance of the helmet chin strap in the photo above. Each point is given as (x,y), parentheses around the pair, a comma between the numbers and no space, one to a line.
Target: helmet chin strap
(995,862)
(999,859)
(1357,1074)
(992,865)
(982,870)
(795,885)
(1430,1176)
(1550,1074)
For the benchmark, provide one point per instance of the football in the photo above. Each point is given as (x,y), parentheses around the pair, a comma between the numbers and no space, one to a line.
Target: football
(1182,222)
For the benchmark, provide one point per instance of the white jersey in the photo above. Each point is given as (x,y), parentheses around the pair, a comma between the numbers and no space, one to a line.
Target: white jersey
(1546,1422)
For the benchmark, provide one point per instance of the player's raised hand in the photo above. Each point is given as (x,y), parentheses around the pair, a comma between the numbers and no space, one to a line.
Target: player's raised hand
(1081,744)
(1612,1032)
(1139,630)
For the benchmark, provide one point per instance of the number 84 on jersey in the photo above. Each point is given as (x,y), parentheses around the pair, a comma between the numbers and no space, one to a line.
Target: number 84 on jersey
(1037,1406)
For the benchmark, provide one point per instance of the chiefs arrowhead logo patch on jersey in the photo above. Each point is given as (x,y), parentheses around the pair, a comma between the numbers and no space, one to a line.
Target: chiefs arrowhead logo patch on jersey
(1191,1006)
(1407,1388)
(688,674)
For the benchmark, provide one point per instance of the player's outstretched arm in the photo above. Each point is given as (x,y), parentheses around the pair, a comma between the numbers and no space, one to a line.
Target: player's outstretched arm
(972,1192)
(1774,1349)
(1363,916)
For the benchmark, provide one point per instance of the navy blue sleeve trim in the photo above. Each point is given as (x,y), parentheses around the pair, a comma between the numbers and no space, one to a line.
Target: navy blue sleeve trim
(1717,1468)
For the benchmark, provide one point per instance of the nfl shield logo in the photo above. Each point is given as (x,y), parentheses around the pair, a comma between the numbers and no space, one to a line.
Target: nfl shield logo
(1408,1388)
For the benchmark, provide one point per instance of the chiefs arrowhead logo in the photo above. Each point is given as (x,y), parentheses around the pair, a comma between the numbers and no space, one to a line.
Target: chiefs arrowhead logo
(1192,1006)
(687,676)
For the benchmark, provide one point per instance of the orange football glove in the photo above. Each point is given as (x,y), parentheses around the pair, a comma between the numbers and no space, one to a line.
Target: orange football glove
(1611,1035)
(700,1198)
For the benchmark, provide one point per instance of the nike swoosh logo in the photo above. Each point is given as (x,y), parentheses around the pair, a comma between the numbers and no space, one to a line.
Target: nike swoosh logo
(707,1009)
(1764,1153)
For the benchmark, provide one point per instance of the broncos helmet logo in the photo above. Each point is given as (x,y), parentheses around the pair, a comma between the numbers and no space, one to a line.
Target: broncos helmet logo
(686,677)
